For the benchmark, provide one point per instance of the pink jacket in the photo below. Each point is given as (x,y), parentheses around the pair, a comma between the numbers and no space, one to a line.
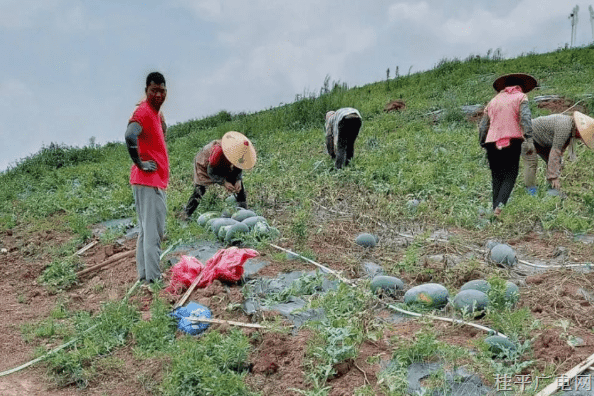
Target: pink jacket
(504,116)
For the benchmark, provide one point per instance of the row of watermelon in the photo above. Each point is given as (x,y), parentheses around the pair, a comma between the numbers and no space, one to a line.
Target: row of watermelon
(472,297)
(232,226)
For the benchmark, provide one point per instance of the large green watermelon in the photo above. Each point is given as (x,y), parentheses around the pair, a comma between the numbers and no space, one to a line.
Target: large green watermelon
(432,295)
(366,240)
(386,284)
(218,223)
(243,214)
(478,284)
(500,345)
(204,217)
(251,221)
(235,231)
(471,301)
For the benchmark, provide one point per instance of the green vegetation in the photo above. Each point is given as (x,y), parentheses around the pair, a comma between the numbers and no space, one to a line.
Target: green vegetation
(399,156)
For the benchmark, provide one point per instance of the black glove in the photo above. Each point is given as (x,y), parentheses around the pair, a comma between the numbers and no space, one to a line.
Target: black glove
(148,166)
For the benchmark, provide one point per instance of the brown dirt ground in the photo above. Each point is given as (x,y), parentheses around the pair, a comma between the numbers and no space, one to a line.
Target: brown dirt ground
(395,105)
(278,359)
(560,105)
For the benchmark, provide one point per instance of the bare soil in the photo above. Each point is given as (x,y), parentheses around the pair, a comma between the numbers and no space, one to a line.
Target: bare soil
(278,359)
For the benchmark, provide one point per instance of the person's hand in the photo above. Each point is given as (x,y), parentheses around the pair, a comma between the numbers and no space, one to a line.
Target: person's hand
(556,184)
(148,166)
(528,147)
(233,188)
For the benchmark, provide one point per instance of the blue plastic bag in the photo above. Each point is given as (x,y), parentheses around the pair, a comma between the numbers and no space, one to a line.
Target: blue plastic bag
(192,309)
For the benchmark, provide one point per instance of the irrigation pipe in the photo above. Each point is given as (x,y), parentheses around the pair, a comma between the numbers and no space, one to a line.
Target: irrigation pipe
(554,266)
(466,246)
(347,281)
(32,362)
(457,321)
(59,348)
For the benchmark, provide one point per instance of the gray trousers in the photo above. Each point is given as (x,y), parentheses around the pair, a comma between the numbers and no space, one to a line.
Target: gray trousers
(151,207)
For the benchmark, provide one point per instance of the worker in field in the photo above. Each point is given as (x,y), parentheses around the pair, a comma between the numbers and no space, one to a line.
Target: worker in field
(222,162)
(342,129)
(149,175)
(552,135)
(505,126)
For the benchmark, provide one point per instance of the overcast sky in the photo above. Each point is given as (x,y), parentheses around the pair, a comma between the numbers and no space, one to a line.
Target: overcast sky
(71,69)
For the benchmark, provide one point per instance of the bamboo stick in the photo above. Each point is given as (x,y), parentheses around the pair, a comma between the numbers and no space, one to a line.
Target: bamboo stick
(110,260)
(85,248)
(567,377)
(183,299)
(229,322)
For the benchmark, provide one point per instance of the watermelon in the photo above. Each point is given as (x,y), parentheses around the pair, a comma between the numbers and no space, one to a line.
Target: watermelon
(512,292)
(211,220)
(499,345)
(223,232)
(235,231)
(227,213)
(231,200)
(218,223)
(251,221)
(366,240)
(432,295)
(262,229)
(471,301)
(204,217)
(243,214)
(386,284)
(503,254)
(478,284)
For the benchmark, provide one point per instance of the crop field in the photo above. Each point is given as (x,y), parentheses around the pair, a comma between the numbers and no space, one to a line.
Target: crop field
(419,181)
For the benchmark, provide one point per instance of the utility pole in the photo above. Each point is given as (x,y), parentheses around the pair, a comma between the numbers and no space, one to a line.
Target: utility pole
(574,20)
(592,20)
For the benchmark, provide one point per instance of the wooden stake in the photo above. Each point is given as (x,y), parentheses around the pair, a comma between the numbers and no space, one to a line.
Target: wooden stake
(110,260)
(567,377)
(85,248)
(229,322)
(183,299)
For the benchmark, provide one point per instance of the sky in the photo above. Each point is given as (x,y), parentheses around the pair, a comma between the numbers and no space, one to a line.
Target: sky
(72,70)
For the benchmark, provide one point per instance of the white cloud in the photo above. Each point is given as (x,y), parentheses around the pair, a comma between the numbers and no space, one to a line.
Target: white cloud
(416,12)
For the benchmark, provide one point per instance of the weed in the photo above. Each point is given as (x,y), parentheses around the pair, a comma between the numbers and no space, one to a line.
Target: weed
(111,330)
(199,368)
(158,334)
(60,274)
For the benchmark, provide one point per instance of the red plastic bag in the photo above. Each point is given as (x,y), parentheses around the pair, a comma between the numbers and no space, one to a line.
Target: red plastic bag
(226,265)
(183,273)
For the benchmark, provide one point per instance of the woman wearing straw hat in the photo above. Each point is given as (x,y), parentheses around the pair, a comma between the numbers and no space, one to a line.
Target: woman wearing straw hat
(221,162)
(553,134)
(506,123)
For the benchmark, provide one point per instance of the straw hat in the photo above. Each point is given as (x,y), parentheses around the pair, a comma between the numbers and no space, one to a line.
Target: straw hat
(239,150)
(526,81)
(585,126)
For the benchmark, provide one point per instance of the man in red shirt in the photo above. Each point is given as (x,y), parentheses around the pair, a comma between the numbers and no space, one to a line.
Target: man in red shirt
(149,175)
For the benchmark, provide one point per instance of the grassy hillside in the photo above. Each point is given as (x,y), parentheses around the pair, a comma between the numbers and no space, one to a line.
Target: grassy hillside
(399,156)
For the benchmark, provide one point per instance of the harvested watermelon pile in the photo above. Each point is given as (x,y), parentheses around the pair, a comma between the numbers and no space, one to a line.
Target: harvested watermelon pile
(233,226)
